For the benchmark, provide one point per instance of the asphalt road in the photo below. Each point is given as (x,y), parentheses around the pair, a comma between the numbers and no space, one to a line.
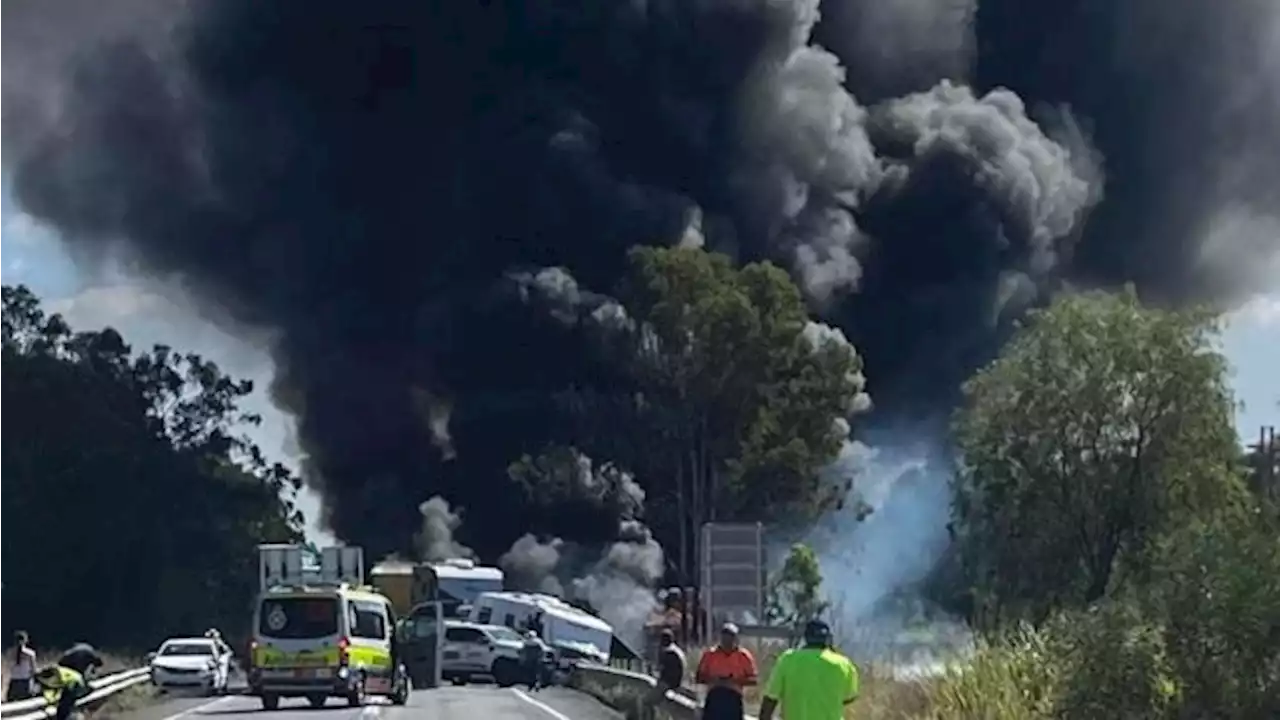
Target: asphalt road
(471,702)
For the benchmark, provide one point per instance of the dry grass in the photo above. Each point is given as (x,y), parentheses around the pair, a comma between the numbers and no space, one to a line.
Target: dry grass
(884,697)
(127,701)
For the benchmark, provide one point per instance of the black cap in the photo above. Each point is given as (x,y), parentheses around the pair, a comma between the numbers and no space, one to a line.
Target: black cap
(817,632)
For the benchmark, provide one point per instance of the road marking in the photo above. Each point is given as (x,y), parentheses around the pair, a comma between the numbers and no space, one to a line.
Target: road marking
(538,704)
(198,708)
(369,712)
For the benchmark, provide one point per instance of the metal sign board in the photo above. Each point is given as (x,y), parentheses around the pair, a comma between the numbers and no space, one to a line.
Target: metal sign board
(281,564)
(733,572)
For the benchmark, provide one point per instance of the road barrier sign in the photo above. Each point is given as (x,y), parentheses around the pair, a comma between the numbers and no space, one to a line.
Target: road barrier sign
(733,575)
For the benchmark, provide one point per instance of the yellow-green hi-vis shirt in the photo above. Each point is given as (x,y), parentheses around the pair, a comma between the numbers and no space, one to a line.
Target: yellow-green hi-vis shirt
(813,684)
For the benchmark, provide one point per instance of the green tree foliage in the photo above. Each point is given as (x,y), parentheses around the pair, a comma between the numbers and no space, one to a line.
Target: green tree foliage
(734,401)
(1101,425)
(1111,661)
(131,505)
(795,591)
(1215,585)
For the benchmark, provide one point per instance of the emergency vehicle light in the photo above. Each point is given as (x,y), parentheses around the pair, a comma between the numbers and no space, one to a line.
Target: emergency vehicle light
(344,646)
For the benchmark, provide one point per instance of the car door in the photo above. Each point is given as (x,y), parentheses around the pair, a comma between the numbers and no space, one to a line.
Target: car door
(422,646)
(454,649)
(369,633)
(475,648)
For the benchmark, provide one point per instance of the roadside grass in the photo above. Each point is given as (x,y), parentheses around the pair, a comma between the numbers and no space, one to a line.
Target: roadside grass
(122,702)
(127,701)
(1010,680)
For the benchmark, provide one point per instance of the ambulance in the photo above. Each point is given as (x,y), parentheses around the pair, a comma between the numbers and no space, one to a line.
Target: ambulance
(318,632)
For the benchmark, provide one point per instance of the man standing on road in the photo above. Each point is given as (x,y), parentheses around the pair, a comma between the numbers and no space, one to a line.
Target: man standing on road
(532,659)
(727,670)
(814,682)
(671,662)
(671,666)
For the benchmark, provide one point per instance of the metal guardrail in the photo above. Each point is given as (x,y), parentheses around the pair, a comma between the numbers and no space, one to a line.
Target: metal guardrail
(629,691)
(38,708)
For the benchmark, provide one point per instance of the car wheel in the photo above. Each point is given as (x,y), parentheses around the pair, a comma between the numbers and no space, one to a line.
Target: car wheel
(317,700)
(459,679)
(400,689)
(355,696)
(504,672)
(270,702)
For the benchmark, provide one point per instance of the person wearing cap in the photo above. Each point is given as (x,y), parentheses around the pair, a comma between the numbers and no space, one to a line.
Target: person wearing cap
(533,658)
(727,670)
(813,682)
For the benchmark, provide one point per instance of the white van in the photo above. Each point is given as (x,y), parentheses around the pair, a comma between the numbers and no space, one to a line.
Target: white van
(572,632)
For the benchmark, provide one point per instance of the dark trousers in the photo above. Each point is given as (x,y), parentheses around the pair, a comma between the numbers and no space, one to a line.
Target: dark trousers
(67,702)
(722,704)
(533,675)
(18,690)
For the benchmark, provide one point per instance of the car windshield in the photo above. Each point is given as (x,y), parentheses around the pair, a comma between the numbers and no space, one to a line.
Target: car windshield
(298,618)
(501,633)
(187,649)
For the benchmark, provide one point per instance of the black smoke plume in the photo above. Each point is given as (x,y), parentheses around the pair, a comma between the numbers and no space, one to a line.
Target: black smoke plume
(366,178)
(617,581)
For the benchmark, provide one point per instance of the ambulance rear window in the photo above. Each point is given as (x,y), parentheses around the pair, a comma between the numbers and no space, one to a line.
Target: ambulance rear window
(298,618)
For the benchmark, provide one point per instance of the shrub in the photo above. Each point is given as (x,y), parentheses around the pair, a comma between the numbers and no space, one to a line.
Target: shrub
(1216,584)
(1114,663)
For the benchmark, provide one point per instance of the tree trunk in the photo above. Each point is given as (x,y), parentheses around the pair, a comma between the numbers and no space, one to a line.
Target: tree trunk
(708,472)
(682,525)
(696,513)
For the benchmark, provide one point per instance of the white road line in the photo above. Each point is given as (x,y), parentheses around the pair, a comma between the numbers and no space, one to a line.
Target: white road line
(538,704)
(198,708)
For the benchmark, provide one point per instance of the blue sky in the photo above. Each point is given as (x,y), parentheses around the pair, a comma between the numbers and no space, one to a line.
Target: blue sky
(154,312)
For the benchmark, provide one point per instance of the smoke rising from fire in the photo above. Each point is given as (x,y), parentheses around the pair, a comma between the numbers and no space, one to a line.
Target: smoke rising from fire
(369,180)
(617,582)
(435,539)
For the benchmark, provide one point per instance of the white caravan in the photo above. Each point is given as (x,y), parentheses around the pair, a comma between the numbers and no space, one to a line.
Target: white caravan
(574,633)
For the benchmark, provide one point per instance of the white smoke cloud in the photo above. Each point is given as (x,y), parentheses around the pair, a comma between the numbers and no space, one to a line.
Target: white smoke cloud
(872,564)
(435,540)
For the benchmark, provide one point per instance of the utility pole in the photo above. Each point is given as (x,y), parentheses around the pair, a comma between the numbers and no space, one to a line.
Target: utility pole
(1266,471)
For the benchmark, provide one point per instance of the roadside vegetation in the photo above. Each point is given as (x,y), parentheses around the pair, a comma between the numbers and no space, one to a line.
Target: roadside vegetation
(1112,546)
(1120,554)
(132,501)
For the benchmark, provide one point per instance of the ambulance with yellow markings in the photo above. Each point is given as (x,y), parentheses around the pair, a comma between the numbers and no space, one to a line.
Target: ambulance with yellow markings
(318,632)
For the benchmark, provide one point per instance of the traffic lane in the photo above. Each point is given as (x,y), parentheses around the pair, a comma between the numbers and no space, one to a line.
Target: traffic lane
(568,703)
(165,707)
(445,703)
(176,702)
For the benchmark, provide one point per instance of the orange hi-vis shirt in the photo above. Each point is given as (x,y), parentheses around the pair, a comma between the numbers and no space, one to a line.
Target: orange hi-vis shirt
(737,665)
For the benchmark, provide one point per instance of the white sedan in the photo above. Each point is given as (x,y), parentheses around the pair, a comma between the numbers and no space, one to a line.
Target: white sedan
(191,663)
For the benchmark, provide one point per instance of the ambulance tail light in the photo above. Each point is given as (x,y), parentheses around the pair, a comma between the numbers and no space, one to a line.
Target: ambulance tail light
(344,652)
